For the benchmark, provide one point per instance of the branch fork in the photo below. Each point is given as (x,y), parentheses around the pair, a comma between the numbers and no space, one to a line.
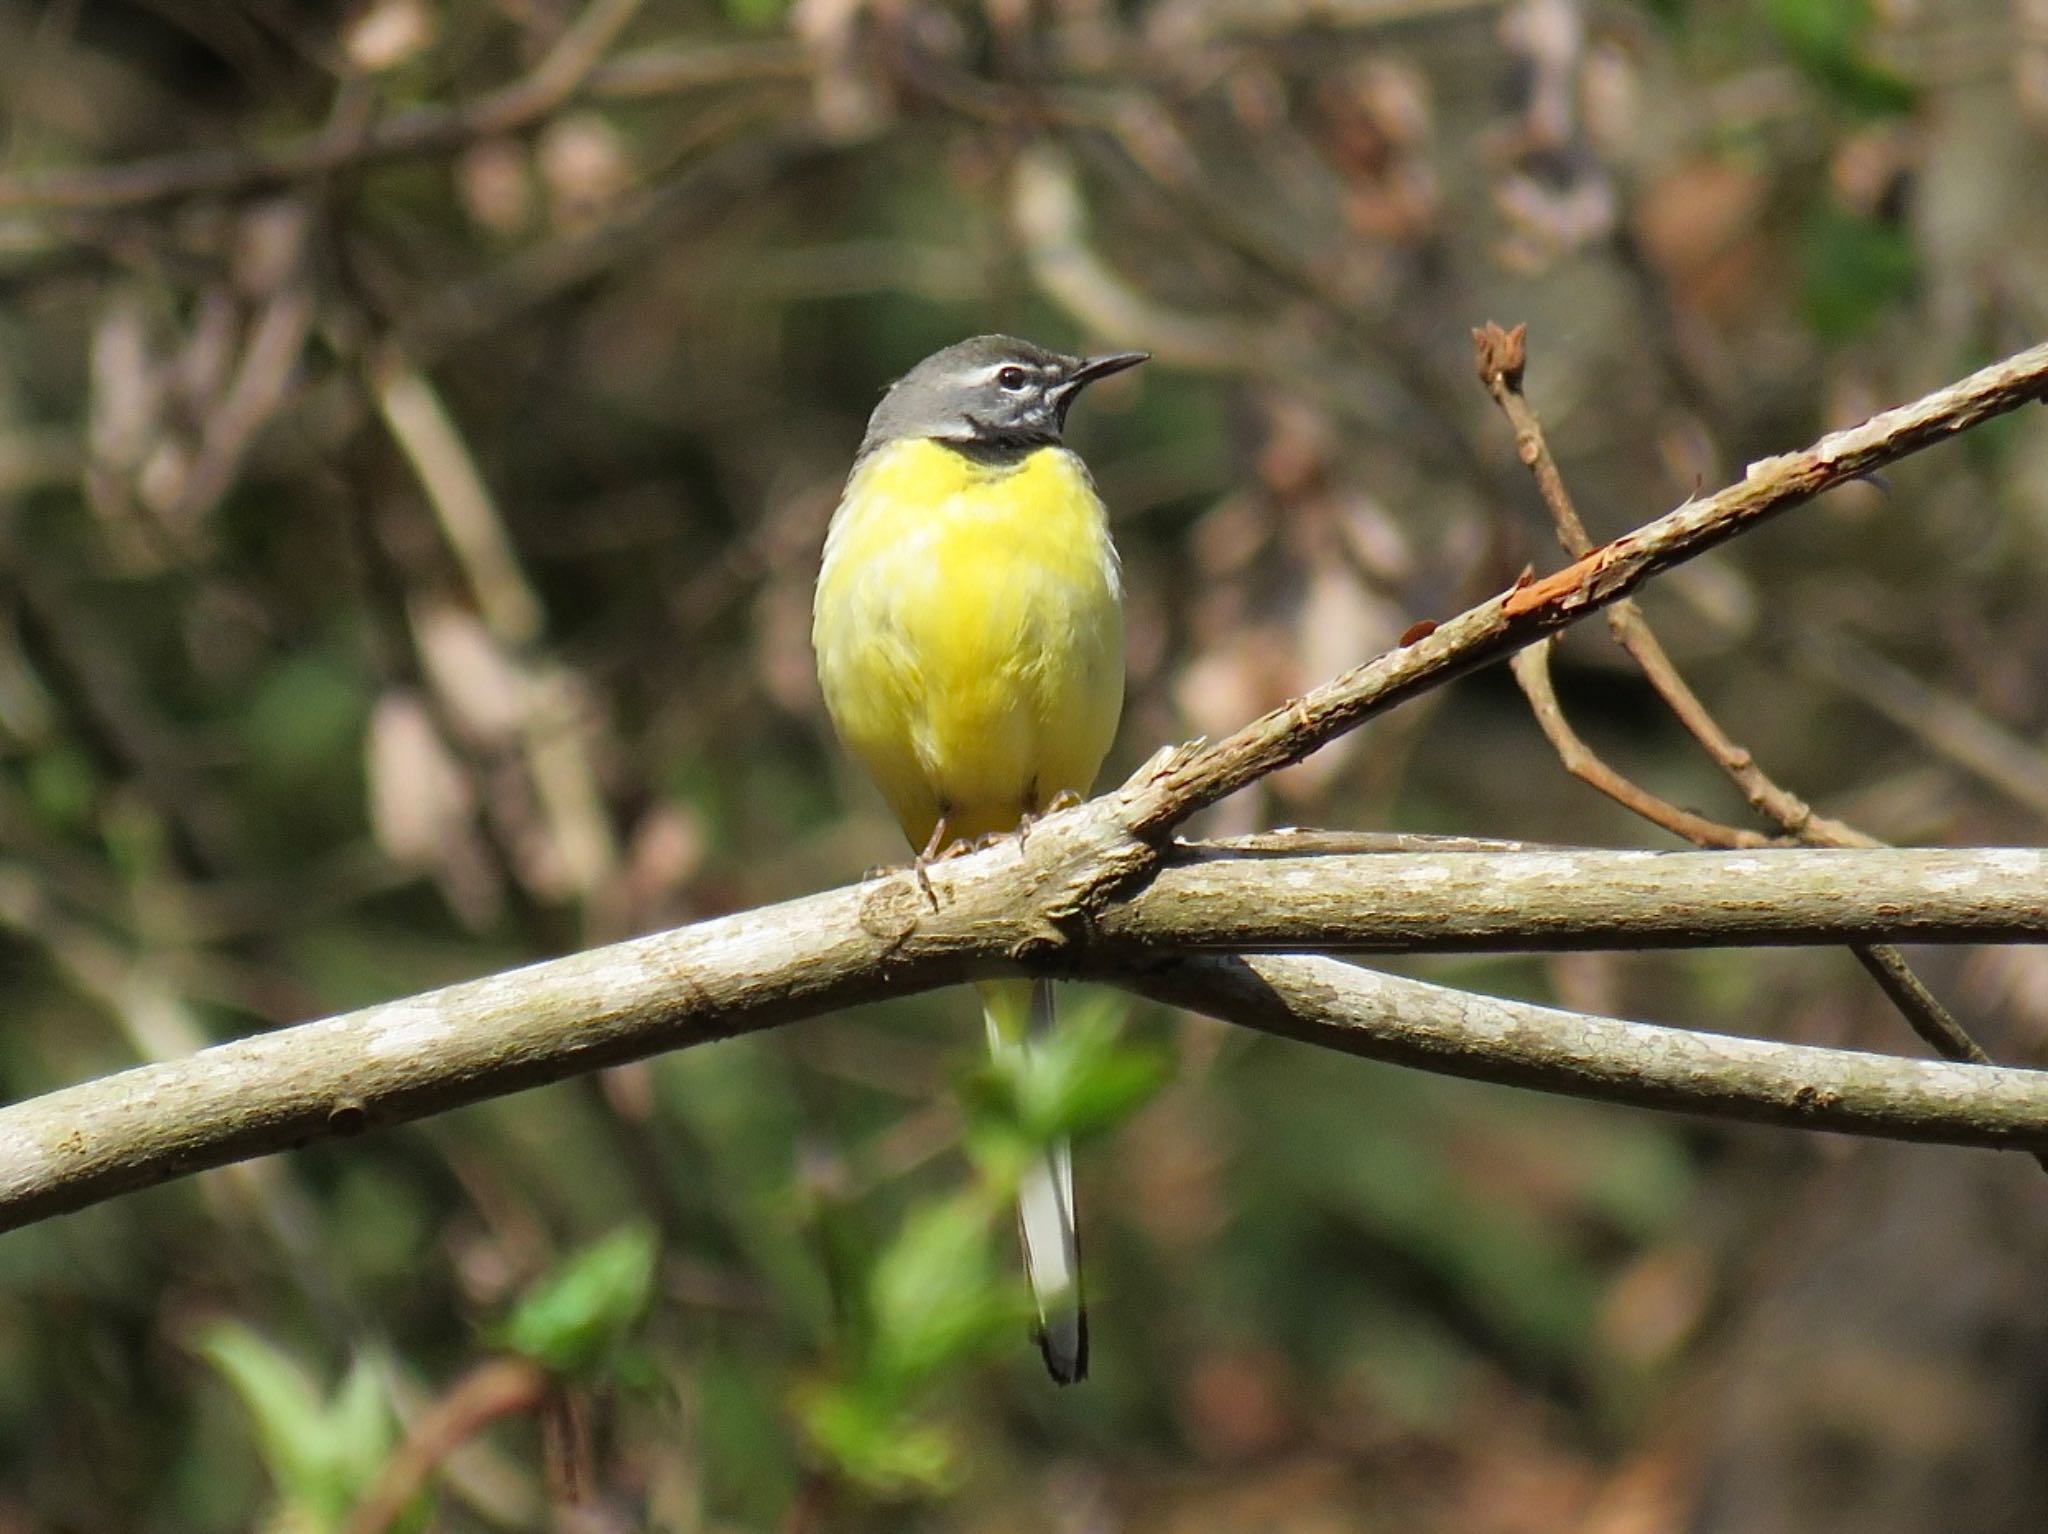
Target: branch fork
(1103,892)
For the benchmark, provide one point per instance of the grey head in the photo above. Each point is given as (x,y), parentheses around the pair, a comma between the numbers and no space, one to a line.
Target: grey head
(992,392)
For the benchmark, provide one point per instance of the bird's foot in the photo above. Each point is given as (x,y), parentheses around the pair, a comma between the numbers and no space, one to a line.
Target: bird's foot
(935,848)
(1065,799)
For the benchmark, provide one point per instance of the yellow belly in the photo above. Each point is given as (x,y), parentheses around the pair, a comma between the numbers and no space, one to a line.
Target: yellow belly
(969,633)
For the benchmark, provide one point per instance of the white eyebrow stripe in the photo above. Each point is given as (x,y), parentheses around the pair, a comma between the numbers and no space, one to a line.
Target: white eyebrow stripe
(988,374)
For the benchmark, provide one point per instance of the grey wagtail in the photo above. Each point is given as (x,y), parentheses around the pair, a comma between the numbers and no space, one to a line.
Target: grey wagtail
(969,632)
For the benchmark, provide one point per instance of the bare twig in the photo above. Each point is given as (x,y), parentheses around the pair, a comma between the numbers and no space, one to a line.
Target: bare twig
(668,211)
(1532,674)
(550,732)
(1047,213)
(1307,841)
(1177,784)
(571,66)
(494,1389)
(421,426)
(1501,359)
(576,52)
(567,1454)
(158,1022)
(263,375)
(1576,898)
(1098,866)
(1947,725)
(1922,1008)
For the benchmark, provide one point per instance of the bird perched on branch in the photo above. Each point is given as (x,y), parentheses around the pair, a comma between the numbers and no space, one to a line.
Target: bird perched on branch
(969,636)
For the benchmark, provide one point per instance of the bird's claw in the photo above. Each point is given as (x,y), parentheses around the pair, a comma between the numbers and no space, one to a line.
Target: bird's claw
(935,847)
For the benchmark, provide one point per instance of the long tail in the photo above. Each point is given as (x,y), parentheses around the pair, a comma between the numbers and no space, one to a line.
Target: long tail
(1019,1011)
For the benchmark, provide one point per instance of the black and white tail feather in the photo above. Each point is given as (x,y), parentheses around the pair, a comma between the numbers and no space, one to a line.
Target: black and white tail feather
(1045,1218)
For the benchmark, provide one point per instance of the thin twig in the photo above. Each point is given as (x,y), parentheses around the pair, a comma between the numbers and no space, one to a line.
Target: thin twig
(1922,1008)
(567,1454)
(570,66)
(432,443)
(1502,358)
(1532,673)
(1179,782)
(494,1389)
(1015,906)
(551,731)
(577,51)
(1947,726)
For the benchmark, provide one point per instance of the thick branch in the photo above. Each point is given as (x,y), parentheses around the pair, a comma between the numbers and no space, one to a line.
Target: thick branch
(740,973)
(1385,1017)
(1502,357)
(1004,906)
(1527,901)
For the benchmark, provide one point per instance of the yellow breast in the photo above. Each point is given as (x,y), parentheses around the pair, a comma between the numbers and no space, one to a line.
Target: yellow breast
(969,632)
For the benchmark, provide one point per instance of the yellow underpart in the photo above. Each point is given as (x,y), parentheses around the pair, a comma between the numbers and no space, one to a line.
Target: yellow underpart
(969,630)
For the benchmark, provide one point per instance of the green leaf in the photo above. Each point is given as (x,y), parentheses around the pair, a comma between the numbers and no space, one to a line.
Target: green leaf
(936,1296)
(359,1422)
(1078,1081)
(1856,269)
(321,1455)
(1826,37)
(577,1319)
(870,1441)
(281,1400)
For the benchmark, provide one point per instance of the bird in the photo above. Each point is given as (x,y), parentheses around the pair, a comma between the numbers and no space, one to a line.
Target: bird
(968,630)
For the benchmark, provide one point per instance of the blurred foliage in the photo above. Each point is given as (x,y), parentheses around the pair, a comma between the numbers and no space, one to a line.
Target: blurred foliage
(1856,270)
(1830,39)
(579,1317)
(321,1455)
(1080,1082)
(418,422)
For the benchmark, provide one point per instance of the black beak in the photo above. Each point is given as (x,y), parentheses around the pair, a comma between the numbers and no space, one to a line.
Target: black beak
(1102,367)
(1070,387)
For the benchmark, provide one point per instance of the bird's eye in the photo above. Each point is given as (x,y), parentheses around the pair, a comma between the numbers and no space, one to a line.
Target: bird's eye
(1012,378)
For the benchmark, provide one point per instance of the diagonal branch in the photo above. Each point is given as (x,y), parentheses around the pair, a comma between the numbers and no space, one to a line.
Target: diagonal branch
(1502,358)
(1176,785)
(1532,675)
(1431,1027)
(1033,906)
